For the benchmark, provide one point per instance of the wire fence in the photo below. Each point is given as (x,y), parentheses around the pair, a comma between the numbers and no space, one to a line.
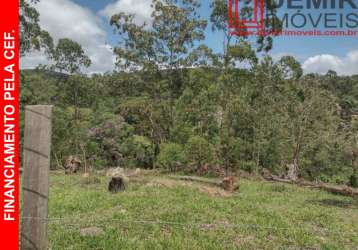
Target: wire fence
(74,222)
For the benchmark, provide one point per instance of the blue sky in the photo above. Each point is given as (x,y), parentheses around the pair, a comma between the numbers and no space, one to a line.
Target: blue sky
(317,54)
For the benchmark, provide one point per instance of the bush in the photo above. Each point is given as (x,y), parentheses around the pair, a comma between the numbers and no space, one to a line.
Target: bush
(108,141)
(353,180)
(138,152)
(340,180)
(181,133)
(324,178)
(199,151)
(171,156)
(248,166)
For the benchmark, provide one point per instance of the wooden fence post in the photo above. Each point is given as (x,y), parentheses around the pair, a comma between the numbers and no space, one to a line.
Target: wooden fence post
(35,178)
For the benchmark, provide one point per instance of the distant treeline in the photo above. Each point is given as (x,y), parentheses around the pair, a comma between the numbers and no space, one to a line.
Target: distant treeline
(176,104)
(207,121)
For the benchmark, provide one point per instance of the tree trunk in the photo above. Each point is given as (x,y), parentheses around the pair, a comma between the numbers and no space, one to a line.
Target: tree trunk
(292,172)
(293,168)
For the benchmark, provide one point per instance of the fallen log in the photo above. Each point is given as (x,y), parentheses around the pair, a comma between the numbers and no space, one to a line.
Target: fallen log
(341,190)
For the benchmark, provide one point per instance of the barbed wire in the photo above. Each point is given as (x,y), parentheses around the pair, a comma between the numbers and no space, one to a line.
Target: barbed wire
(75,222)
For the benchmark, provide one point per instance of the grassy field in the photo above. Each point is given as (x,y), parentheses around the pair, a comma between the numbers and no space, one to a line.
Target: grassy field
(157,212)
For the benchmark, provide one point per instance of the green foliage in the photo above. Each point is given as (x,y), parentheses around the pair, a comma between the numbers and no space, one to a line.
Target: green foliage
(290,67)
(32,36)
(147,117)
(199,151)
(198,105)
(171,157)
(242,51)
(181,133)
(324,178)
(248,166)
(148,45)
(138,151)
(353,180)
(111,141)
(340,180)
(219,18)
(37,87)
(69,56)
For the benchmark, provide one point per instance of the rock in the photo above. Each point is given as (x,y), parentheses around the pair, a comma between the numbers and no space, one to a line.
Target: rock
(91,231)
(117,184)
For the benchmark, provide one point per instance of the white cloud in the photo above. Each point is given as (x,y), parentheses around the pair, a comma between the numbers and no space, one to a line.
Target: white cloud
(66,19)
(32,60)
(347,65)
(141,8)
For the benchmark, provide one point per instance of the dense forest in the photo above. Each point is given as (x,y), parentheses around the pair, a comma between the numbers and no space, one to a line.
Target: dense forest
(174,104)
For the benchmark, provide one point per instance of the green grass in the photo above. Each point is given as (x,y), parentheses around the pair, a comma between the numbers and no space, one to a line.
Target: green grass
(261,215)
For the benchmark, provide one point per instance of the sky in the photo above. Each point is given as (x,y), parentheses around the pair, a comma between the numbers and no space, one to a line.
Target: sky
(87,22)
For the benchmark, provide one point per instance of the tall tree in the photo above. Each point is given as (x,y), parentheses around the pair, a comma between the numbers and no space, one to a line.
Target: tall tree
(160,48)
(69,57)
(220,19)
(32,37)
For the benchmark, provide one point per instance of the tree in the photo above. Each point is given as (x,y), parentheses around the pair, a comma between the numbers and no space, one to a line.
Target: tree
(290,67)
(220,19)
(69,57)
(239,50)
(161,47)
(310,118)
(32,37)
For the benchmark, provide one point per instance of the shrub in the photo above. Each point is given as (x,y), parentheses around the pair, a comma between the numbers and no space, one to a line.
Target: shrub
(171,156)
(181,133)
(353,180)
(339,180)
(107,141)
(324,178)
(248,166)
(199,151)
(138,152)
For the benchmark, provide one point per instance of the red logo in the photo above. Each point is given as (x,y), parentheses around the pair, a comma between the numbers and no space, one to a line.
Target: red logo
(240,10)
